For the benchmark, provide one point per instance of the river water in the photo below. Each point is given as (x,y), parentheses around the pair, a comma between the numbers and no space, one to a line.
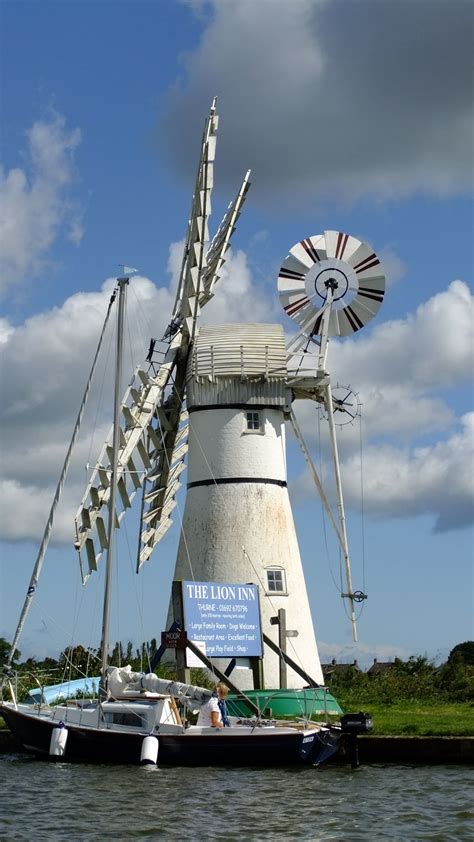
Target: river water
(43,801)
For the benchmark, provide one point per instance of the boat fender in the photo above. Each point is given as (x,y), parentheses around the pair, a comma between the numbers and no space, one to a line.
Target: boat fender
(149,752)
(57,745)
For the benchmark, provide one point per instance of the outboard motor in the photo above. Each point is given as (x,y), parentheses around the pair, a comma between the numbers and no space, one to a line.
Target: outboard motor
(353,724)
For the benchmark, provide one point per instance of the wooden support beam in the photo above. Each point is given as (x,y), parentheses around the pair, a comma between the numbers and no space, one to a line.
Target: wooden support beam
(291,663)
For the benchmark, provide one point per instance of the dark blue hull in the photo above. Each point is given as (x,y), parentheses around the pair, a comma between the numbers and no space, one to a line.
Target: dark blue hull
(263,747)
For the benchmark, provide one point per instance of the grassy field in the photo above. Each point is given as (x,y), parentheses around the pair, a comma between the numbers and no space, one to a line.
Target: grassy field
(421,719)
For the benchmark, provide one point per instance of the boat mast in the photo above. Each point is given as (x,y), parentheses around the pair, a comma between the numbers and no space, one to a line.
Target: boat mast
(104,645)
(62,479)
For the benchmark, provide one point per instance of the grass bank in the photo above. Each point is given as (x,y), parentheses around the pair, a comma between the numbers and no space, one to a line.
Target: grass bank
(420,719)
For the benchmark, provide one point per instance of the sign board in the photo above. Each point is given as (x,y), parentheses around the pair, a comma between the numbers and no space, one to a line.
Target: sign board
(225,616)
(192,660)
(174,639)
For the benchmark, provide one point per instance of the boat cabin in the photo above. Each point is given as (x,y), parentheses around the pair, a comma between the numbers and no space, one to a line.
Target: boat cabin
(153,713)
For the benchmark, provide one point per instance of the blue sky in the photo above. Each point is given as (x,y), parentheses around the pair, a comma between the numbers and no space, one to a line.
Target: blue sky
(347,125)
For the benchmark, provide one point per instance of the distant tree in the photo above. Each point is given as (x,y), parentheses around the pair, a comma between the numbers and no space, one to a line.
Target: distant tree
(416,665)
(463,653)
(49,664)
(75,661)
(457,680)
(117,655)
(5,651)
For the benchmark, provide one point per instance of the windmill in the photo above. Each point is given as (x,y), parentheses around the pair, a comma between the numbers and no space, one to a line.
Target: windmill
(222,394)
(153,424)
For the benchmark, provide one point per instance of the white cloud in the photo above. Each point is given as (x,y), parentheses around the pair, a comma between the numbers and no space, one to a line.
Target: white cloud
(409,481)
(316,107)
(34,502)
(398,367)
(406,482)
(431,348)
(418,456)
(46,362)
(6,330)
(238,299)
(36,204)
(393,266)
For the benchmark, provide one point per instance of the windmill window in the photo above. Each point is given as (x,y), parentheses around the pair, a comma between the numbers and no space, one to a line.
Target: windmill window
(276,581)
(254,422)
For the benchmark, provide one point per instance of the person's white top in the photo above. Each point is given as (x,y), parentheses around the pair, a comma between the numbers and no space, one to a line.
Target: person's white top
(204,718)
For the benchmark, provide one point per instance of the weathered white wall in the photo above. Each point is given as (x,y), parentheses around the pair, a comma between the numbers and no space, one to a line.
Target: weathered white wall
(221,519)
(221,446)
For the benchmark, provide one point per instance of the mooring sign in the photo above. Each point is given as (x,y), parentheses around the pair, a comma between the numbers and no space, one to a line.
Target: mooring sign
(226,617)
(174,639)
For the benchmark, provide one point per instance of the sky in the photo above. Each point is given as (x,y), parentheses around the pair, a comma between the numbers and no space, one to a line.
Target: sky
(354,116)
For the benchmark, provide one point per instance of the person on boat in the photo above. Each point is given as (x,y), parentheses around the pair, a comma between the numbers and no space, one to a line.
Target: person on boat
(214,712)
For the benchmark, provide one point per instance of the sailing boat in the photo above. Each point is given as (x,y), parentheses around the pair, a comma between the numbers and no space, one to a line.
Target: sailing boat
(136,718)
(331,284)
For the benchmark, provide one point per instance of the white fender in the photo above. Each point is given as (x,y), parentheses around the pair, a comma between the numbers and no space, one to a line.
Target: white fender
(149,752)
(57,745)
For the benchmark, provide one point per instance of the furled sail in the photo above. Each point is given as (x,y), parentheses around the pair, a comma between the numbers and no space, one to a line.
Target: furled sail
(122,679)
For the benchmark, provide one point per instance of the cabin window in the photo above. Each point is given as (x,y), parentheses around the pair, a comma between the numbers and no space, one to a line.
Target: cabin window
(129,719)
(276,581)
(254,423)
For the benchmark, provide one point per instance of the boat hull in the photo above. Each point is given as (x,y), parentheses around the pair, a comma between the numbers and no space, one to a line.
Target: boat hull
(230,747)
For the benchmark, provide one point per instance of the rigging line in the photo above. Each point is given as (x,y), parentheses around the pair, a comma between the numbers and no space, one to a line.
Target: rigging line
(362,506)
(219,493)
(130,347)
(272,604)
(49,524)
(139,601)
(323,517)
(275,609)
(138,332)
(78,598)
(89,648)
(182,531)
(100,396)
(216,485)
(83,675)
(61,628)
(116,578)
(143,314)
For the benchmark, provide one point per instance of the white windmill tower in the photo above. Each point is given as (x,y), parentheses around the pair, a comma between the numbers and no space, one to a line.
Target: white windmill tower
(238,524)
(225,392)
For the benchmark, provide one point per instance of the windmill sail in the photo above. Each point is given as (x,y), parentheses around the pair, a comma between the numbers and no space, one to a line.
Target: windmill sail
(215,257)
(163,480)
(140,407)
(153,433)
